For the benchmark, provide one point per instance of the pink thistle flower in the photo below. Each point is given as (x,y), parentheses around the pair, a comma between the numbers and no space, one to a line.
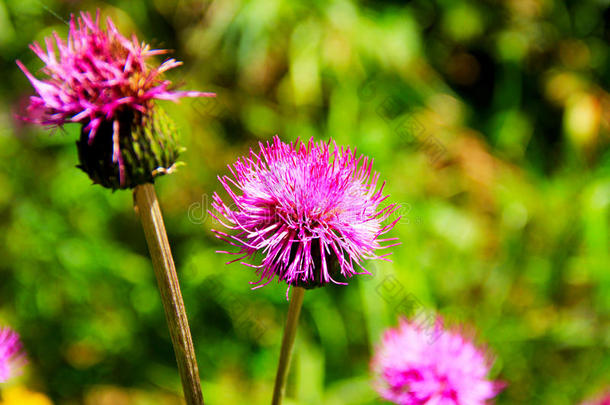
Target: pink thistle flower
(100,79)
(412,369)
(311,212)
(11,354)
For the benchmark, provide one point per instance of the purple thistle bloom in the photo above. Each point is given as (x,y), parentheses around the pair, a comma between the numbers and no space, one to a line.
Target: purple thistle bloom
(11,354)
(411,369)
(311,212)
(97,77)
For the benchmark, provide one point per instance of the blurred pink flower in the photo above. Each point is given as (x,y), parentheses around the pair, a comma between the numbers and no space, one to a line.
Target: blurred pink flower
(310,211)
(411,369)
(11,354)
(98,76)
(603,399)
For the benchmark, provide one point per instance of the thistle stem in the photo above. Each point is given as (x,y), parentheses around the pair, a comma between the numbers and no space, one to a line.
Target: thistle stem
(290,332)
(147,207)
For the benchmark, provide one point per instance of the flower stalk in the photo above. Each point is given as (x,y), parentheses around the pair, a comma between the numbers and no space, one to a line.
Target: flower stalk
(290,332)
(147,207)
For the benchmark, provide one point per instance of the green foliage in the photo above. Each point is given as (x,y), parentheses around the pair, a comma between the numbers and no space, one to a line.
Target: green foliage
(488,120)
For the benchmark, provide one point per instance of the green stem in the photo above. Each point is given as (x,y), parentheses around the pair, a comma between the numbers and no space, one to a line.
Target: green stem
(147,206)
(290,332)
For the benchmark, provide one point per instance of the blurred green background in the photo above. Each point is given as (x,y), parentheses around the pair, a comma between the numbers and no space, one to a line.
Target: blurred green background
(489,120)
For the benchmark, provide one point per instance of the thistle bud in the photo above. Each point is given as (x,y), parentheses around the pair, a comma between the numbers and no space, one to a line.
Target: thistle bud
(134,149)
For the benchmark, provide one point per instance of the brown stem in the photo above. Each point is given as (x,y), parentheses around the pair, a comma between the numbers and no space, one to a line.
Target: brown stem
(290,332)
(147,206)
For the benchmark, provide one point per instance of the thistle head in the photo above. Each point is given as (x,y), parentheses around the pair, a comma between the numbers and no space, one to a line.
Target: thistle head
(412,369)
(310,210)
(104,81)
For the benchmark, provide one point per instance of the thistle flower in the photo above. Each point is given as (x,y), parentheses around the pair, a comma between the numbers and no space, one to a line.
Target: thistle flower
(411,369)
(11,354)
(103,80)
(311,212)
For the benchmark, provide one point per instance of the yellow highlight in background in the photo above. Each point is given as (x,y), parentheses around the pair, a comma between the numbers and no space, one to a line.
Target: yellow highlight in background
(20,395)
